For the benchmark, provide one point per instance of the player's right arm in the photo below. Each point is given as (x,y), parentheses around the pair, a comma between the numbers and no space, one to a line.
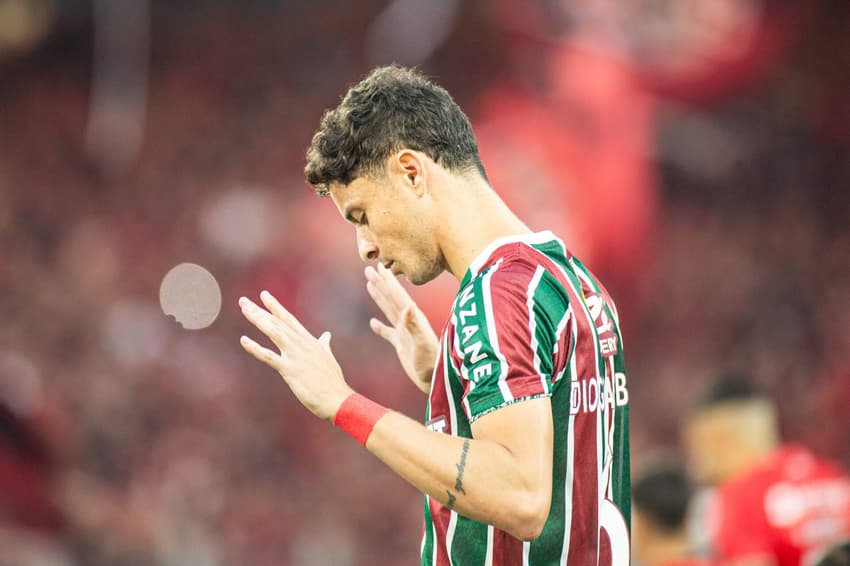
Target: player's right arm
(409,331)
(502,476)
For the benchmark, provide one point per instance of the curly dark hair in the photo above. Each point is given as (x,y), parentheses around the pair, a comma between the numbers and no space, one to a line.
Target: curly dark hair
(663,493)
(392,108)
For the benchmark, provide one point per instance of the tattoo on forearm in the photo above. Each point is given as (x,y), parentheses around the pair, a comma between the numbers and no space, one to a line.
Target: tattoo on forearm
(460,468)
(459,479)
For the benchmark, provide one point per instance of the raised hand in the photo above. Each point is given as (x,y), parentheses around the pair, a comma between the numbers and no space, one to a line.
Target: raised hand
(306,363)
(409,331)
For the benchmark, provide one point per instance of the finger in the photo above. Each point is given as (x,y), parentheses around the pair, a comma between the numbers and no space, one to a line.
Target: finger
(261,353)
(391,287)
(266,323)
(389,310)
(416,323)
(280,312)
(325,341)
(407,320)
(382,330)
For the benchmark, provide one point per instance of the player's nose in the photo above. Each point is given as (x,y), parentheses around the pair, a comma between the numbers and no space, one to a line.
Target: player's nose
(367,248)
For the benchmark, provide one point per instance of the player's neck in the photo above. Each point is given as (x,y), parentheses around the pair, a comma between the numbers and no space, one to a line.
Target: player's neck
(475,217)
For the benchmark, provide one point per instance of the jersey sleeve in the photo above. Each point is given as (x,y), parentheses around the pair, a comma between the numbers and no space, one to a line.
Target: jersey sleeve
(505,336)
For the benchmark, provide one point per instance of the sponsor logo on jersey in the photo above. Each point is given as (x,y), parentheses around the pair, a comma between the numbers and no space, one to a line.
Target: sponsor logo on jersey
(604,325)
(472,348)
(814,511)
(437,424)
(592,394)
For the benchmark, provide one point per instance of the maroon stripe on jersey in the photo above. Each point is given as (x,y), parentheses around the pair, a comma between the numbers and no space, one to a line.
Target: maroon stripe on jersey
(506,549)
(439,396)
(440,515)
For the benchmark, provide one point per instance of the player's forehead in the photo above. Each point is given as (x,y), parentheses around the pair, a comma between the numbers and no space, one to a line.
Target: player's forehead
(358,193)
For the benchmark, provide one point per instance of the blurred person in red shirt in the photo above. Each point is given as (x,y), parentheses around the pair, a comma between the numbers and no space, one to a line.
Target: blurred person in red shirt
(661,496)
(776,504)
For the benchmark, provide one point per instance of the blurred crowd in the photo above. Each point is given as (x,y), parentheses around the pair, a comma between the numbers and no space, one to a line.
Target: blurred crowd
(696,155)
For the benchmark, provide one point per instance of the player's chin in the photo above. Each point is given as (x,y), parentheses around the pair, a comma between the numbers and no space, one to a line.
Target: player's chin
(421,277)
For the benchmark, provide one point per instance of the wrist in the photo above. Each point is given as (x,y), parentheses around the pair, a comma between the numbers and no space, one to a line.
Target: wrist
(358,415)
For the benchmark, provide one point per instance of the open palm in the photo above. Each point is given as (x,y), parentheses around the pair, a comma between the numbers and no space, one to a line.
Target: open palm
(409,331)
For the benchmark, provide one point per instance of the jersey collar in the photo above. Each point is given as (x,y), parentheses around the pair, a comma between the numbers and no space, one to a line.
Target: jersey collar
(481,259)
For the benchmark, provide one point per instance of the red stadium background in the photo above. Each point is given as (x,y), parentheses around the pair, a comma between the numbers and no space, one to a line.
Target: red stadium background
(695,154)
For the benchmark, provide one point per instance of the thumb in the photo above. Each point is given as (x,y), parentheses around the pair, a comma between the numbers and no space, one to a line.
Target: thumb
(325,340)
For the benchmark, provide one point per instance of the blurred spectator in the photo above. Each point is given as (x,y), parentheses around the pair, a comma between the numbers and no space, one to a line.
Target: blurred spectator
(661,496)
(776,504)
(838,555)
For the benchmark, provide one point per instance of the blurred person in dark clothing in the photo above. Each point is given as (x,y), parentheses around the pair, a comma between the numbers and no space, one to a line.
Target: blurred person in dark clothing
(839,555)
(776,504)
(661,496)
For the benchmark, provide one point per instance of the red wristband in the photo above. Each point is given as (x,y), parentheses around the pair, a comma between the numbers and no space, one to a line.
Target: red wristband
(357,416)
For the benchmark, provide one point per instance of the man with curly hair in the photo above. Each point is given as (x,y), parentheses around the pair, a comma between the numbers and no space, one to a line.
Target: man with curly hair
(523,456)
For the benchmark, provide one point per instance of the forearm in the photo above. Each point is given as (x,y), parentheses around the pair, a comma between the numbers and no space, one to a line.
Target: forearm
(479,479)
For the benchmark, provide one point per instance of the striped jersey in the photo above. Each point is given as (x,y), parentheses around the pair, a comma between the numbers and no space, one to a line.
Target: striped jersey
(529,321)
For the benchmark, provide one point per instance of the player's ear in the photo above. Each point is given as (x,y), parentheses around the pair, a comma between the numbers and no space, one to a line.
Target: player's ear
(411,165)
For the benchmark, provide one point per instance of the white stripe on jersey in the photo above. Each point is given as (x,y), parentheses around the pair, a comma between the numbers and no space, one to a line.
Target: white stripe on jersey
(450,532)
(424,534)
(532,323)
(450,536)
(570,459)
(526,548)
(488,559)
(491,331)
(462,370)
(447,355)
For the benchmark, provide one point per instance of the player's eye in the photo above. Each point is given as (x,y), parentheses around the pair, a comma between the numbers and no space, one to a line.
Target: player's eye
(362,220)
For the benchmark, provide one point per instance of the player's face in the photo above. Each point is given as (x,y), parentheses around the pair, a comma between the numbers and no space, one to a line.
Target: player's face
(706,438)
(393,226)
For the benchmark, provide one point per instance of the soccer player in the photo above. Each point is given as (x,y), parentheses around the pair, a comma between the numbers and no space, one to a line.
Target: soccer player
(776,505)
(660,500)
(523,456)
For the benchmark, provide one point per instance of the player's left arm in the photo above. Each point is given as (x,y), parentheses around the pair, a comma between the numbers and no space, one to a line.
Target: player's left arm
(500,477)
